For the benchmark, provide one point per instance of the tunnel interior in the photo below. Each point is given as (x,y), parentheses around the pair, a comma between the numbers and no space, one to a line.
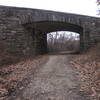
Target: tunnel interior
(40,30)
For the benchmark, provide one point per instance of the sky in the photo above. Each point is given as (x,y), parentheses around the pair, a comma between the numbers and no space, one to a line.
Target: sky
(83,7)
(66,34)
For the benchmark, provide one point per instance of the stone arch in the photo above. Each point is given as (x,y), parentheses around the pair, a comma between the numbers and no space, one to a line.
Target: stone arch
(41,28)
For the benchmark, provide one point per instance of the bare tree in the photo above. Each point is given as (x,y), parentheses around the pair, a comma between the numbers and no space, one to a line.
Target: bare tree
(63,42)
(98,4)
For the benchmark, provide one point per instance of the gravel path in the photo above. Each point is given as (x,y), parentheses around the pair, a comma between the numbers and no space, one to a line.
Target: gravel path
(55,80)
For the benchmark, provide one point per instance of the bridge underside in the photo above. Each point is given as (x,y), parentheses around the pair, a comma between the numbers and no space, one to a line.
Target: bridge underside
(40,29)
(48,26)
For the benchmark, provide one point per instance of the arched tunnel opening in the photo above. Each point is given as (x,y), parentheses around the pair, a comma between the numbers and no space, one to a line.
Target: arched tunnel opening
(63,42)
(40,31)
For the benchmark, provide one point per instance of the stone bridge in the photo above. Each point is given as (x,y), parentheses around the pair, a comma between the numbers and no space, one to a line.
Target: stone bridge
(24,31)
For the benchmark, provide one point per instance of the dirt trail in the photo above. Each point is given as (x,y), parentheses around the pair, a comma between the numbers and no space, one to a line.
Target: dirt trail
(55,80)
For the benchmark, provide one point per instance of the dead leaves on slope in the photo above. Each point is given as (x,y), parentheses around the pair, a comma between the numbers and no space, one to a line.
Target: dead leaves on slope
(12,76)
(89,71)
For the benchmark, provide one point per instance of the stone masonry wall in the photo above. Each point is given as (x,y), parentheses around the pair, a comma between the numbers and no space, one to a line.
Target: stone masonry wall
(21,40)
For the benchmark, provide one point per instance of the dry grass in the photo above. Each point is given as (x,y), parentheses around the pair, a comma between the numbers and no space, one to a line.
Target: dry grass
(89,71)
(15,71)
(13,75)
(5,57)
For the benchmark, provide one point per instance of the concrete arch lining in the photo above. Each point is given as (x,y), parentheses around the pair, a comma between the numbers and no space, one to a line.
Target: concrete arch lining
(51,26)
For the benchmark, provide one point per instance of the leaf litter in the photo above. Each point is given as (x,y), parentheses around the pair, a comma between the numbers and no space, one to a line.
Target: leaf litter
(88,65)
